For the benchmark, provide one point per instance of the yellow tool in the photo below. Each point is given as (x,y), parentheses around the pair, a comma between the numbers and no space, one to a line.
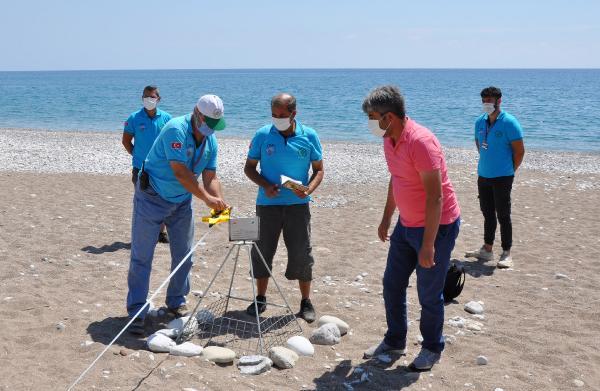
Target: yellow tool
(216,217)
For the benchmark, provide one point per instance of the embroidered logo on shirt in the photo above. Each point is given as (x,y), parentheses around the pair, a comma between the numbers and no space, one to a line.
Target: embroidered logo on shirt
(270,149)
(302,152)
(498,133)
(176,145)
(142,127)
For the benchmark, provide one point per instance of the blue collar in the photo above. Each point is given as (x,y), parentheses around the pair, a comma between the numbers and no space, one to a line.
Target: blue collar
(158,113)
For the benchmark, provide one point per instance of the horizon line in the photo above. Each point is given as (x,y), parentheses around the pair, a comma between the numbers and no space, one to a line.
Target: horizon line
(300,69)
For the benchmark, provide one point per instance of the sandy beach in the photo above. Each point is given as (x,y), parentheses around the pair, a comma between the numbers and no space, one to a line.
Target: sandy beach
(65,220)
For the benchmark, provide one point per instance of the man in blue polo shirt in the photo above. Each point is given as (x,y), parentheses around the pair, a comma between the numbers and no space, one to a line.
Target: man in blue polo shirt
(288,148)
(184,151)
(142,127)
(499,140)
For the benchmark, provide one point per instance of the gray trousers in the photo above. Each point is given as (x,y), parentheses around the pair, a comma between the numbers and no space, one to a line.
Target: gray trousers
(294,222)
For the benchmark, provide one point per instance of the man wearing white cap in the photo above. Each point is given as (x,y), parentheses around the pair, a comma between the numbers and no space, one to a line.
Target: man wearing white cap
(185,149)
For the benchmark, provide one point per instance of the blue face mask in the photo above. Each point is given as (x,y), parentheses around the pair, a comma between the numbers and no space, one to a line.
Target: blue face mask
(205,130)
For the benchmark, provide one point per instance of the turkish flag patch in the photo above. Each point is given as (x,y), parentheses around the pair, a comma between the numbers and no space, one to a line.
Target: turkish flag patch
(176,145)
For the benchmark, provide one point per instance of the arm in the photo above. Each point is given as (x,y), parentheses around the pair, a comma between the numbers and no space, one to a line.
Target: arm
(388,213)
(477,144)
(190,183)
(271,190)
(126,140)
(212,184)
(518,149)
(432,182)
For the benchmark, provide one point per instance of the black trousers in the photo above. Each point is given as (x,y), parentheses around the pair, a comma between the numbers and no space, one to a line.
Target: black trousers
(494,201)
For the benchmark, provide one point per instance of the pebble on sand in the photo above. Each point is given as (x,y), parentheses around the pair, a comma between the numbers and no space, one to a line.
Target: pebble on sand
(474,307)
(283,358)
(301,345)
(254,365)
(218,354)
(482,360)
(160,343)
(343,326)
(328,334)
(186,349)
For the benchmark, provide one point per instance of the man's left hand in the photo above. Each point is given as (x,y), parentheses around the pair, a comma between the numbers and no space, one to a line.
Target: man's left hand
(300,193)
(426,255)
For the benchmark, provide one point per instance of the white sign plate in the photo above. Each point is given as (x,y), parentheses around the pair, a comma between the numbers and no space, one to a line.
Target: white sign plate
(247,228)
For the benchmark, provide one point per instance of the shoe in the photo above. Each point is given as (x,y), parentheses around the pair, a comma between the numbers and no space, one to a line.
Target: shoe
(261,302)
(180,311)
(163,237)
(137,327)
(482,254)
(505,261)
(307,311)
(425,360)
(382,348)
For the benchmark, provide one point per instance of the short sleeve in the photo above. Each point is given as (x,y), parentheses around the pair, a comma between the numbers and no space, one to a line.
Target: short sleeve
(426,154)
(514,131)
(316,153)
(255,147)
(212,161)
(174,144)
(128,126)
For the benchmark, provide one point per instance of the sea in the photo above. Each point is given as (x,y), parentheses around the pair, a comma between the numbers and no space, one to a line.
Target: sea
(559,109)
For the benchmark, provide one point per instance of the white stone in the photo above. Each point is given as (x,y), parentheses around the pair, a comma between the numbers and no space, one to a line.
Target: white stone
(498,389)
(160,343)
(283,358)
(578,383)
(474,307)
(179,323)
(264,365)
(60,326)
(301,345)
(343,326)
(171,333)
(474,326)
(450,339)
(328,334)
(250,360)
(205,316)
(560,276)
(218,354)
(186,349)
(482,360)
(478,316)
(457,321)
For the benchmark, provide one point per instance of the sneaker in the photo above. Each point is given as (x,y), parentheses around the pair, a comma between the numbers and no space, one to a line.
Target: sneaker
(261,303)
(425,360)
(482,254)
(180,311)
(382,348)
(163,237)
(307,311)
(505,260)
(137,327)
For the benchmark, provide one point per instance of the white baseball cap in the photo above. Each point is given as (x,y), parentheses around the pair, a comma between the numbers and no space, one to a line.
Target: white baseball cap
(211,106)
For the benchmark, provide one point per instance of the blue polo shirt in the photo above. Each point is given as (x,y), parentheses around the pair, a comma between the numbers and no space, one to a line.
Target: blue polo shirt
(497,159)
(176,143)
(144,131)
(291,157)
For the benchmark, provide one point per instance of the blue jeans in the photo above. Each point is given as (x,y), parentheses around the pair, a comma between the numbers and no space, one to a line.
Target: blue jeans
(149,212)
(405,244)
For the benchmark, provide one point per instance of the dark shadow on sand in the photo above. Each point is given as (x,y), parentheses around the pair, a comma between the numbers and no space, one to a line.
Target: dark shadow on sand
(107,248)
(476,268)
(369,375)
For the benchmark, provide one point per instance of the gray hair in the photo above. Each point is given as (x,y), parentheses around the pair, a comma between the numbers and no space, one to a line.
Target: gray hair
(284,100)
(385,99)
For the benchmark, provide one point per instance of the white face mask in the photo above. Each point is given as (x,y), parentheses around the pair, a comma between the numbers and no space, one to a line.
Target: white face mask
(489,108)
(150,103)
(375,129)
(281,124)
(205,130)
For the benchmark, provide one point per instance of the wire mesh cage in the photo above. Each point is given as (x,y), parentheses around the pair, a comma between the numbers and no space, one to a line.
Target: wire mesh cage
(219,319)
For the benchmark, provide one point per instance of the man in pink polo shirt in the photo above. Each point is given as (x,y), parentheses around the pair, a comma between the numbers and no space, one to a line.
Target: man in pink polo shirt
(426,231)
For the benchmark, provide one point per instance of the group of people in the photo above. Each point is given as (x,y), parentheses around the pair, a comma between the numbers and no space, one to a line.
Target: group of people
(176,158)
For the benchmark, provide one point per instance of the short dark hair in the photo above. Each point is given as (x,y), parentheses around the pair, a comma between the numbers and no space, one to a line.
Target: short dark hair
(491,92)
(151,88)
(385,99)
(284,100)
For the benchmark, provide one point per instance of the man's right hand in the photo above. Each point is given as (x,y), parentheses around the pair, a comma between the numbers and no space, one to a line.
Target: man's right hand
(383,229)
(215,203)
(272,191)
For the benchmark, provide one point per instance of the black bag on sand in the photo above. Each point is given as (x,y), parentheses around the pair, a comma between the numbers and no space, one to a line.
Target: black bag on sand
(455,281)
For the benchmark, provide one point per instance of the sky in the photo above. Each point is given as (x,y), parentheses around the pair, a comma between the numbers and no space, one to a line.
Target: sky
(224,34)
